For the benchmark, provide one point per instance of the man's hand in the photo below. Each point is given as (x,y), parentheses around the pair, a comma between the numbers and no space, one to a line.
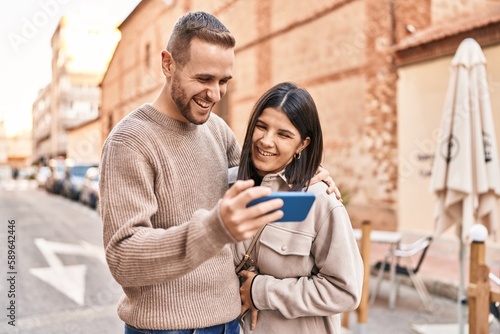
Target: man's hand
(322,175)
(246,299)
(243,222)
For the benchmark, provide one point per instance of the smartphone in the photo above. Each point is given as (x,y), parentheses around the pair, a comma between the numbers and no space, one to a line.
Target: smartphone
(296,204)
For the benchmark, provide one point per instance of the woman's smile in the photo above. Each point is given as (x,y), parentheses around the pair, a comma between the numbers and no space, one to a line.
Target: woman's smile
(264,153)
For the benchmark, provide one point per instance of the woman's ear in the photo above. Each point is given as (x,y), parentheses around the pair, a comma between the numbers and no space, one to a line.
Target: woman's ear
(304,144)
(167,63)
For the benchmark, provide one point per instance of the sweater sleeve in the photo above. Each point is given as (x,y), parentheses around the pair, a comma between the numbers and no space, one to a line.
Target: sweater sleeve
(335,288)
(137,253)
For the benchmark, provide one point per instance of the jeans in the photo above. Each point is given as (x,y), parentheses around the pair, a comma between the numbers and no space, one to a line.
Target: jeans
(231,327)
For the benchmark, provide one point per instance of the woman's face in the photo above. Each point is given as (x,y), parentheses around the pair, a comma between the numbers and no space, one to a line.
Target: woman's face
(274,142)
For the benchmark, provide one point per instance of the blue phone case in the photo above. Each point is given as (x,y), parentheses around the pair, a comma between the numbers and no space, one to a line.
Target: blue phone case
(296,204)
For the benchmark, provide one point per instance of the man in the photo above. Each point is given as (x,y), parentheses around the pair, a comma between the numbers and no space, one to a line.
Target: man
(164,170)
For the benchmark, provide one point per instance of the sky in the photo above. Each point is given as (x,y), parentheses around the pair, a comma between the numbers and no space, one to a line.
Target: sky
(25,52)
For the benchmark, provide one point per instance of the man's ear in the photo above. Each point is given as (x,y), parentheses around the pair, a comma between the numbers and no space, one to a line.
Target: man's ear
(167,63)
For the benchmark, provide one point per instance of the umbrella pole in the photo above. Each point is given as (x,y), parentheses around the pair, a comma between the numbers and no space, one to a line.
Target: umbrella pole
(461,289)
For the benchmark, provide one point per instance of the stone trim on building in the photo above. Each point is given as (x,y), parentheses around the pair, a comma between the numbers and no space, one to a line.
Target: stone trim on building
(443,40)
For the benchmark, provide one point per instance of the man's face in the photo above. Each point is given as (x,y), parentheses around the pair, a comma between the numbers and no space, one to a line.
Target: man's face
(202,82)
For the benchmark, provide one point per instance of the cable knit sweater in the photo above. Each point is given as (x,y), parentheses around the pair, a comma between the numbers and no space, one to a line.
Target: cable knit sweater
(165,243)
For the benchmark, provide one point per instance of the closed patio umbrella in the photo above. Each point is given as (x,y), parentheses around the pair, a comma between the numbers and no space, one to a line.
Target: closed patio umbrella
(466,172)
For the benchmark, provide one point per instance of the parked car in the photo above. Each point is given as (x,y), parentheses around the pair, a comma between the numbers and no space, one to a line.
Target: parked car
(27,173)
(42,175)
(73,180)
(53,184)
(89,194)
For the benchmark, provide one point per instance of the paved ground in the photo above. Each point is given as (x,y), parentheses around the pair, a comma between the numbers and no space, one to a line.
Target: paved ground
(409,315)
(440,271)
(47,310)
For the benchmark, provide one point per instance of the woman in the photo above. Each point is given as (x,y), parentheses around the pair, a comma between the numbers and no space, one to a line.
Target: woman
(301,276)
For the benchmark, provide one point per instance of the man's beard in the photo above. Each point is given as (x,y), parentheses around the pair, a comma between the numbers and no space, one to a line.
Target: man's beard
(182,102)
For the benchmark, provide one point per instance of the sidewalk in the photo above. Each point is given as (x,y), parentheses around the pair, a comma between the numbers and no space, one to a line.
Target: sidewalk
(440,272)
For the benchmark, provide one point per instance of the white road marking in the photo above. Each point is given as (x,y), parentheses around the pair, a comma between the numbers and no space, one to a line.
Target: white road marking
(69,280)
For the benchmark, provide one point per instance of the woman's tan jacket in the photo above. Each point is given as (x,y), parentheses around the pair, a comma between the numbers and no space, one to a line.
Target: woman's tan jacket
(309,272)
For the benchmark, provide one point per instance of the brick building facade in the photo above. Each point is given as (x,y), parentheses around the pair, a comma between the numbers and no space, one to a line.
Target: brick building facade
(346,53)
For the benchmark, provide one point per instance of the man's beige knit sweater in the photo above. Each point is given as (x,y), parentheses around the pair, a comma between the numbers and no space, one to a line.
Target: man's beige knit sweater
(165,243)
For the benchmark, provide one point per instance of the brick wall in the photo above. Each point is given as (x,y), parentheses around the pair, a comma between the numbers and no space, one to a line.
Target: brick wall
(321,45)
(134,75)
(449,10)
(328,48)
(342,51)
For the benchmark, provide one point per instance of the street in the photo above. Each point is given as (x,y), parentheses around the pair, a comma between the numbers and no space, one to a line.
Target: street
(55,280)
(54,275)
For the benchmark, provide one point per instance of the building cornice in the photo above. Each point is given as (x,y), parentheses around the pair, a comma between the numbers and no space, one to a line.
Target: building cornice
(443,40)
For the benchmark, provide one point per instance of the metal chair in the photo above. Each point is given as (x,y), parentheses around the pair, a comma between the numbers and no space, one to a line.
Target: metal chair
(404,267)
